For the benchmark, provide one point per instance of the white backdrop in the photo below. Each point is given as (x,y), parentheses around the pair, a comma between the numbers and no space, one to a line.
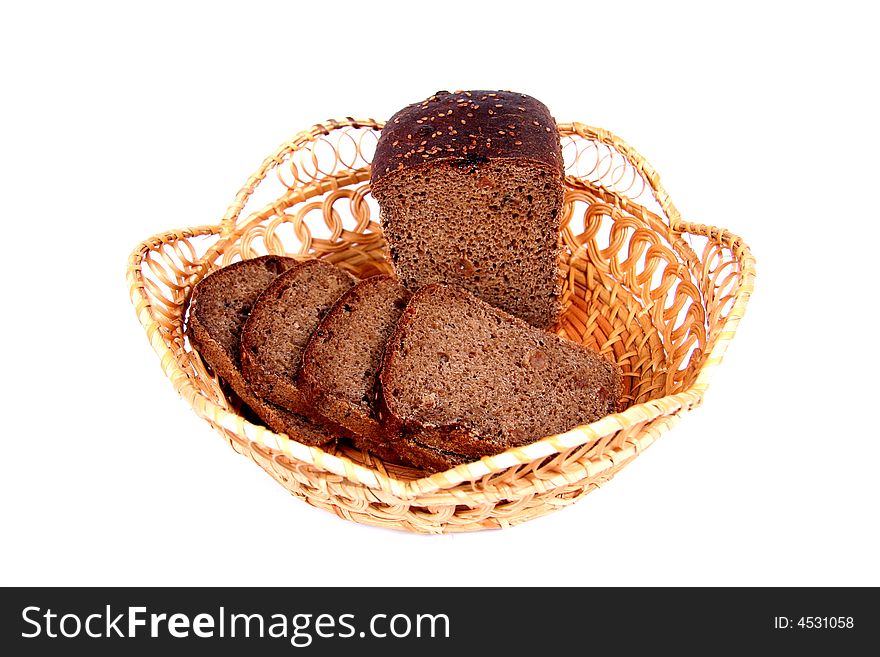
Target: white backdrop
(121,122)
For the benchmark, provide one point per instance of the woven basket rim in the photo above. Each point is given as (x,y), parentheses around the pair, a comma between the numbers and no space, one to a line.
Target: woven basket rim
(281,445)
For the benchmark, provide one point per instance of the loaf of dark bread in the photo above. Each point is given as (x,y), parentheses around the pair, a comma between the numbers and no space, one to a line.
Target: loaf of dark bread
(279,327)
(462,380)
(341,362)
(470,191)
(219,305)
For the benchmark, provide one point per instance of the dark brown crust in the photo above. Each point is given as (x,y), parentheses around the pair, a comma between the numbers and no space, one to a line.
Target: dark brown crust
(429,458)
(368,433)
(467,128)
(454,439)
(224,365)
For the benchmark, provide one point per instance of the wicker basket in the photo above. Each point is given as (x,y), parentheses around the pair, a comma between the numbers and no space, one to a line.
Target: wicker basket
(660,296)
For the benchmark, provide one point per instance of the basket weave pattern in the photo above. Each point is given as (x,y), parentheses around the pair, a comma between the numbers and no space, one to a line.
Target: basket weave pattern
(659,296)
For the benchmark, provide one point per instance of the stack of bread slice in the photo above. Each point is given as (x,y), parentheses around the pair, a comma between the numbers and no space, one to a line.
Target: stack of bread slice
(430,379)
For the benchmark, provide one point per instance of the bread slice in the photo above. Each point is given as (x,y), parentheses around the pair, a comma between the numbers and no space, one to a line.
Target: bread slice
(470,191)
(463,378)
(340,370)
(280,325)
(218,307)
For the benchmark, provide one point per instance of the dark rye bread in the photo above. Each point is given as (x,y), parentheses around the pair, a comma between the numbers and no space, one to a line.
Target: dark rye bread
(470,190)
(218,307)
(341,362)
(465,380)
(279,326)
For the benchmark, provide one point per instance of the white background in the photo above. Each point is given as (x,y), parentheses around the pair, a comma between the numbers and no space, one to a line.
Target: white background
(118,123)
